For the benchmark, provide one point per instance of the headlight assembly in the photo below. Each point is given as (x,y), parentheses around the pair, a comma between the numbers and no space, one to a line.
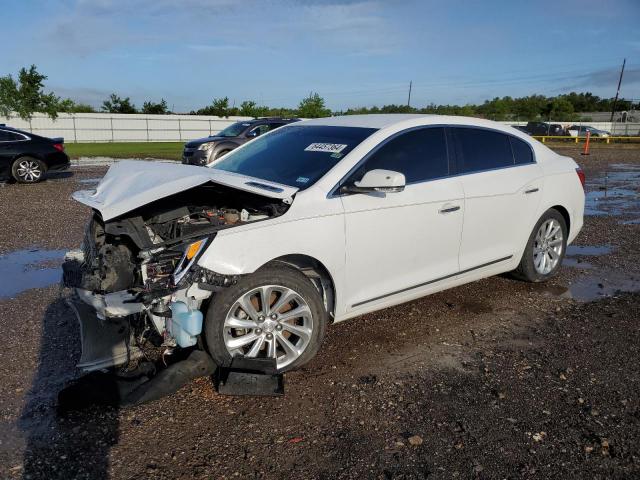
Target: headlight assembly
(206,146)
(191,252)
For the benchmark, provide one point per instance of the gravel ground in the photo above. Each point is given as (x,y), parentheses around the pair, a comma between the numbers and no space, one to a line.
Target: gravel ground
(494,379)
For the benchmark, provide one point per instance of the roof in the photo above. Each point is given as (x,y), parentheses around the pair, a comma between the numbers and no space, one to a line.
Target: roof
(405,120)
(367,121)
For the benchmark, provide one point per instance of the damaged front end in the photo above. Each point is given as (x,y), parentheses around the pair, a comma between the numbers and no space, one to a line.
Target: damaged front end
(136,280)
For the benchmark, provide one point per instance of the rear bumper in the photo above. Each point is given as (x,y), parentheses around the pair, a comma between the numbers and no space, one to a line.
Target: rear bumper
(57,161)
(60,167)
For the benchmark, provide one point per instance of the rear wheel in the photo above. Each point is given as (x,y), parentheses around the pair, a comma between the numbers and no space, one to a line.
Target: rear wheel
(276,312)
(28,170)
(545,249)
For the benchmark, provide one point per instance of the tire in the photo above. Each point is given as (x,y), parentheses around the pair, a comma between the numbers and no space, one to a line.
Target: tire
(228,325)
(28,170)
(540,245)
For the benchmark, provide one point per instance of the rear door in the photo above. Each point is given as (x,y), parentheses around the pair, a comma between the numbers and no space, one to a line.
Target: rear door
(397,243)
(7,151)
(502,186)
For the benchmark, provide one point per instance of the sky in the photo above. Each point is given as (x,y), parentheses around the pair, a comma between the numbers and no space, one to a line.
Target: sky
(353,53)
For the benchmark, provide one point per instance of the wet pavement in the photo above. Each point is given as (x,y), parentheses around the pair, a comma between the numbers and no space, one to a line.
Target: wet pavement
(614,192)
(22,270)
(494,379)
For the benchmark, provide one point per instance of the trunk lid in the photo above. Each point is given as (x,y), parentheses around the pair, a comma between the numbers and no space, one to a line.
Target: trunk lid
(130,184)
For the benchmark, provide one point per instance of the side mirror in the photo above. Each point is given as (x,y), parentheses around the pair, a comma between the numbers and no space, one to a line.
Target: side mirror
(252,134)
(385,181)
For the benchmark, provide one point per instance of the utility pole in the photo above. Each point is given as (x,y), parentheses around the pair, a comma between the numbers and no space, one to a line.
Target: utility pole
(409,99)
(615,101)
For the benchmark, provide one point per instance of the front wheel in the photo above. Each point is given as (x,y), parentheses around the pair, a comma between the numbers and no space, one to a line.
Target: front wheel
(545,249)
(221,154)
(28,170)
(276,312)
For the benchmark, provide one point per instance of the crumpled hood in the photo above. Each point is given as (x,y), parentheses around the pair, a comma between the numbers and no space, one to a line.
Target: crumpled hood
(130,184)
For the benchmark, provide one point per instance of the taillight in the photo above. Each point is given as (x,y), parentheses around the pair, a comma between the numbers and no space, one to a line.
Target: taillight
(581,176)
(59,146)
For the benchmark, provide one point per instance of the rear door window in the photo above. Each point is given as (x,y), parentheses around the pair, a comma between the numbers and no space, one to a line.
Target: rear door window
(418,154)
(479,149)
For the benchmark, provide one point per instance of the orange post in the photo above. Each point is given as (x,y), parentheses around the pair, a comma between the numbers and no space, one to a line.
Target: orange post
(586,144)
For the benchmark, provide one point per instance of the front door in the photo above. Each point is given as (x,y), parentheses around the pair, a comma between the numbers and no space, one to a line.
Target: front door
(399,242)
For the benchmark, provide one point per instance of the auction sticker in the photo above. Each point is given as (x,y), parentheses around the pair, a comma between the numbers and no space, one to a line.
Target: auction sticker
(325,147)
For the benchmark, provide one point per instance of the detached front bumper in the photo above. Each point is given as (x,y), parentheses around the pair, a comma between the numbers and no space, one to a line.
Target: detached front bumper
(106,342)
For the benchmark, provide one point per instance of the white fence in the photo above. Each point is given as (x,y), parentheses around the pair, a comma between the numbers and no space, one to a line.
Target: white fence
(107,127)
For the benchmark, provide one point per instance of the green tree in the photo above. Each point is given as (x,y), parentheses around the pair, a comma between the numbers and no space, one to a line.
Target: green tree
(248,108)
(27,96)
(560,109)
(313,107)
(218,107)
(155,108)
(115,104)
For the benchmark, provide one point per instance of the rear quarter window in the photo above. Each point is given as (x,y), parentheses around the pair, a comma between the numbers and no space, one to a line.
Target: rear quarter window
(522,153)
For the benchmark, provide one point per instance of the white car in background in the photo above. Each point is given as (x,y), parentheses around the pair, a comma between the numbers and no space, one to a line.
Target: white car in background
(314,223)
(581,131)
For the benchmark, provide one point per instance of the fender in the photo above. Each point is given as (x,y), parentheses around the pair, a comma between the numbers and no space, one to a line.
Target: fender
(320,235)
(226,145)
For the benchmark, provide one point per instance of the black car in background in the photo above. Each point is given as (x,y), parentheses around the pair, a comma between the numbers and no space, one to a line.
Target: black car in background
(543,129)
(26,158)
(205,150)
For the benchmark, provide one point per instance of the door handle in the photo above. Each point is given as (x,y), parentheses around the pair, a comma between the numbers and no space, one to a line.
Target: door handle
(449,209)
(531,190)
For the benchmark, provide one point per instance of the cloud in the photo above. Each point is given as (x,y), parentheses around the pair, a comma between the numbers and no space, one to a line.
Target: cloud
(222,48)
(92,96)
(606,78)
(354,27)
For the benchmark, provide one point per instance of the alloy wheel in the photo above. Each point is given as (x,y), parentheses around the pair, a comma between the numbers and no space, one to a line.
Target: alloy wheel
(29,171)
(270,321)
(547,246)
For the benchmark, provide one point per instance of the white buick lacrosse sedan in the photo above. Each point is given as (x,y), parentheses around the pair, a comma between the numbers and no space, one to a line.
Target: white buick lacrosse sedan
(314,223)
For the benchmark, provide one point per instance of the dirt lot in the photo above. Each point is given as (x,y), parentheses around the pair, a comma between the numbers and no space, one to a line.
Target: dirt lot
(495,379)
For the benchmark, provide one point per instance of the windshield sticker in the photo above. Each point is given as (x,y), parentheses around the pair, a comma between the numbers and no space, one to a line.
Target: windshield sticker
(325,147)
(302,180)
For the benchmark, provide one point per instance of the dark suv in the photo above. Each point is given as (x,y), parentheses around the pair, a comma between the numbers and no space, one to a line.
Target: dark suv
(205,150)
(26,157)
(545,129)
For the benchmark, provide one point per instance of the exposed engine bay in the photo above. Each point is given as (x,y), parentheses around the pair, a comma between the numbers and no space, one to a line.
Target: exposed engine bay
(138,273)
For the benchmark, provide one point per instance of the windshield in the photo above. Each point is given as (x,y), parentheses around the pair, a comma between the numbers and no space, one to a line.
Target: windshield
(233,130)
(297,155)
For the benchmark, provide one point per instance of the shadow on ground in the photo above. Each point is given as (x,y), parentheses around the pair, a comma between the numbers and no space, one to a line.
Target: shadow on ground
(72,444)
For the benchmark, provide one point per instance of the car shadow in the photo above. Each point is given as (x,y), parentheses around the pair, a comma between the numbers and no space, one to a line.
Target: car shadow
(65,442)
(59,175)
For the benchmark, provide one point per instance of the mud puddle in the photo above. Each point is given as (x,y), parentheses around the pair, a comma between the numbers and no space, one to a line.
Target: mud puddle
(23,270)
(594,286)
(616,193)
(575,253)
